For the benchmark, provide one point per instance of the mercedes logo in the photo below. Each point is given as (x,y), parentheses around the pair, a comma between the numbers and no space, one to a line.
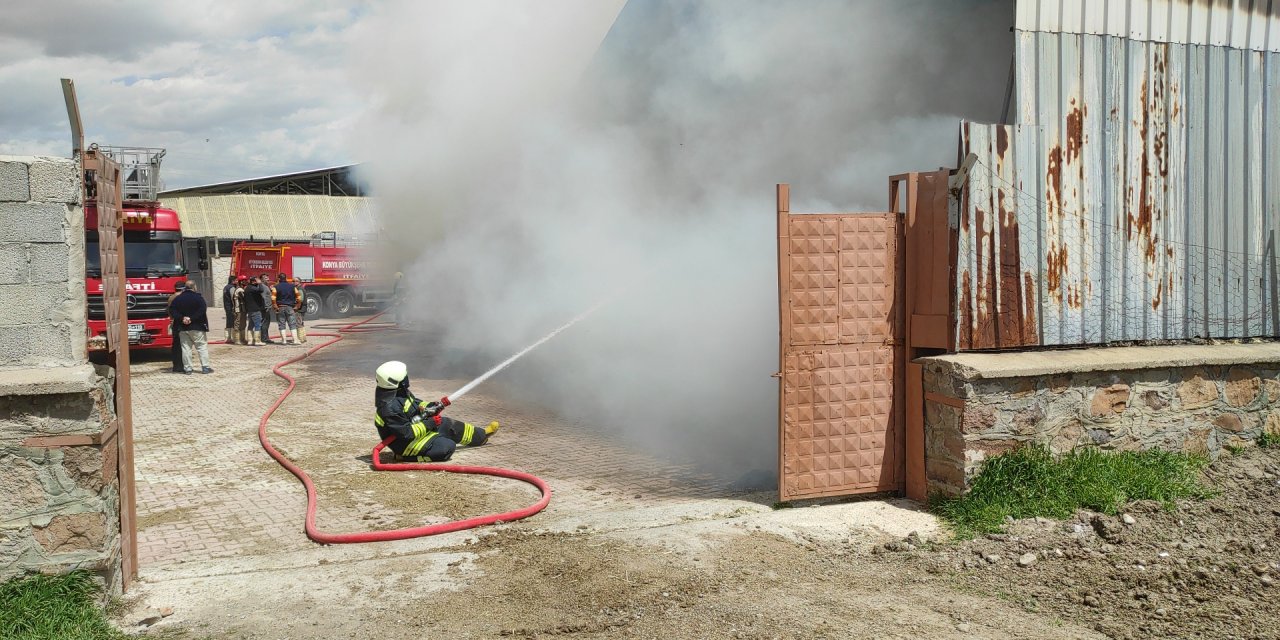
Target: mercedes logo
(130,302)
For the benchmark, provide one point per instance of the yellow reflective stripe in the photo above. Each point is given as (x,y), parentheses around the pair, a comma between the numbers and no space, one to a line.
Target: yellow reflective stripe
(418,443)
(377,419)
(407,404)
(467,432)
(419,429)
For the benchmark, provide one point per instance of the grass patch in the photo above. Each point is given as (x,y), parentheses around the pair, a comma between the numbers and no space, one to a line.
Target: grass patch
(1269,441)
(40,607)
(1030,482)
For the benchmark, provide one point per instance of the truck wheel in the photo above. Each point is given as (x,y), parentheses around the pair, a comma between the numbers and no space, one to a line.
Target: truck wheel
(313,304)
(341,303)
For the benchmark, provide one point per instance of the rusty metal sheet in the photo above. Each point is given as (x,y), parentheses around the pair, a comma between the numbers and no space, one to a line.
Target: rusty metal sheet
(840,349)
(1142,177)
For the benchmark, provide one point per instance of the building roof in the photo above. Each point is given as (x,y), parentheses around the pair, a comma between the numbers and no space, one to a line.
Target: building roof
(340,180)
(265,217)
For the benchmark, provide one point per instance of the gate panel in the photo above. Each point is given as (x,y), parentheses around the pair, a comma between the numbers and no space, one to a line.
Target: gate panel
(840,429)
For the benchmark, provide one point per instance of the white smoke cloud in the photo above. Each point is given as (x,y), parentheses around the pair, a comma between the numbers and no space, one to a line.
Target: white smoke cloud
(523,174)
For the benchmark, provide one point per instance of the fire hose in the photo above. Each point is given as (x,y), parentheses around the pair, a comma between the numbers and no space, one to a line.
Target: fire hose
(410,532)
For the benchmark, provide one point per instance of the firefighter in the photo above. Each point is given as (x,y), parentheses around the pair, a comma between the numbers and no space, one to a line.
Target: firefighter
(242,314)
(420,434)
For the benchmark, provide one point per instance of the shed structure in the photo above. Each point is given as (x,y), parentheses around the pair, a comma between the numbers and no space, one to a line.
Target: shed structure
(1136,195)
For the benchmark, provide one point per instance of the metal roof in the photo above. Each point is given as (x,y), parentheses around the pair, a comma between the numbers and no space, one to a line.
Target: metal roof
(262,217)
(1239,24)
(1138,196)
(328,181)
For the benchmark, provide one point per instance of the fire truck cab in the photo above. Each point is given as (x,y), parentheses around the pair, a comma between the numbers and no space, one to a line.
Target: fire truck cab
(153,257)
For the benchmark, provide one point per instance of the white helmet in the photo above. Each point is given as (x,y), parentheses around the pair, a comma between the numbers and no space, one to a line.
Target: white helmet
(390,374)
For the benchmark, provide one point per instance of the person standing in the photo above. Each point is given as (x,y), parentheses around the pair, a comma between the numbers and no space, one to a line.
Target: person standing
(175,347)
(242,318)
(191,312)
(268,302)
(302,311)
(285,303)
(254,304)
(229,308)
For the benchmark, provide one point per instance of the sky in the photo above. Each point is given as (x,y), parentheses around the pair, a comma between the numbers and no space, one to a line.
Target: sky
(233,88)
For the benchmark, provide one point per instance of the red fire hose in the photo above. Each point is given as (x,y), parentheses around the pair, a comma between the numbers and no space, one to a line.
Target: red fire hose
(393,534)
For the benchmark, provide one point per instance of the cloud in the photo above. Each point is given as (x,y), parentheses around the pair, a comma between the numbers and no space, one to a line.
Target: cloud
(254,80)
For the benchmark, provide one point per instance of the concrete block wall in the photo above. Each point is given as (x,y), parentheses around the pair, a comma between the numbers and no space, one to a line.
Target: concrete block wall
(59,491)
(42,296)
(1195,399)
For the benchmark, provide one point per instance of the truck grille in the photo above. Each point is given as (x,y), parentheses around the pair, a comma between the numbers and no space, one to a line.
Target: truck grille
(145,305)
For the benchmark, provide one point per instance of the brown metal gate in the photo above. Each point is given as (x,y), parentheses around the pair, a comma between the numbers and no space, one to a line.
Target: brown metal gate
(840,421)
(102,186)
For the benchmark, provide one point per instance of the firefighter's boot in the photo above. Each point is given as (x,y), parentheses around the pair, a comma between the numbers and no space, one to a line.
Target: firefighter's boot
(253,338)
(302,335)
(228,339)
(491,428)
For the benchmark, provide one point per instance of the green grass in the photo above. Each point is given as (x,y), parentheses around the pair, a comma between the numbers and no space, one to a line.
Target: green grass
(39,607)
(1030,482)
(1269,441)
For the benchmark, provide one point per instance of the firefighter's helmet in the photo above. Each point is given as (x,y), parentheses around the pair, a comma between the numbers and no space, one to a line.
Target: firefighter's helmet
(391,375)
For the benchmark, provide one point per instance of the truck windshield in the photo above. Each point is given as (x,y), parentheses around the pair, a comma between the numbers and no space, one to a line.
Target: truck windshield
(142,257)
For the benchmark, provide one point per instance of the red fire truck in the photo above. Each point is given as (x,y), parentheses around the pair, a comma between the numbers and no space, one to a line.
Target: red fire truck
(153,257)
(335,276)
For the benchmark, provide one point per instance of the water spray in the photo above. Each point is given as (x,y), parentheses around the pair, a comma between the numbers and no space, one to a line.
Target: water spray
(434,409)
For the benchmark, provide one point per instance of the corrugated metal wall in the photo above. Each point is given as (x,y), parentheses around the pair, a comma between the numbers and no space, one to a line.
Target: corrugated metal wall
(1138,197)
(271,216)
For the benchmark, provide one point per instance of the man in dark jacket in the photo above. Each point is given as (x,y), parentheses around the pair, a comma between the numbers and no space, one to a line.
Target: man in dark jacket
(268,303)
(421,433)
(229,307)
(175,347)
(188,309)
(286,303)
(255,302)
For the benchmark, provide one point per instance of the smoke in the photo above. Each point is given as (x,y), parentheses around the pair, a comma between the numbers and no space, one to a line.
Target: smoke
(527,165)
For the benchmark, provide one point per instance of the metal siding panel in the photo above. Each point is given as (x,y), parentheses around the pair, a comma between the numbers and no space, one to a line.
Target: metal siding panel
(1117,17)
(1236,304)
(1132,266)
(1220,23)
(1139,19)
(1271,164)
(980,275)
(1028,75)
(1026,160)
(1048,101)
(1255,218)
(1072,17)
(1155,172)
(1112,216)
(1093,188)
(1197,192)
(1158,20)
(1216,193)
(1094,19)
(1174,255)
(1179,22)
(1071,213)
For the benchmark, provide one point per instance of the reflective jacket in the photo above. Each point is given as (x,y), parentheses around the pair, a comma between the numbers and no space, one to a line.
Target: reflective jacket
(398,413)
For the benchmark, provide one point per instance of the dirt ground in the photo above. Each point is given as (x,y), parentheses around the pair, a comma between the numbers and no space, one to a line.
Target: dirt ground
(631,546)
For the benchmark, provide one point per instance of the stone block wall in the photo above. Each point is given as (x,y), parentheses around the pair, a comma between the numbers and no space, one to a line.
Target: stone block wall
(59,509)
(1196,399)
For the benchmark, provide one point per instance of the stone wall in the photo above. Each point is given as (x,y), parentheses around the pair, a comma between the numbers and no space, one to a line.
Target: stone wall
(60,505)
(1196,399)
